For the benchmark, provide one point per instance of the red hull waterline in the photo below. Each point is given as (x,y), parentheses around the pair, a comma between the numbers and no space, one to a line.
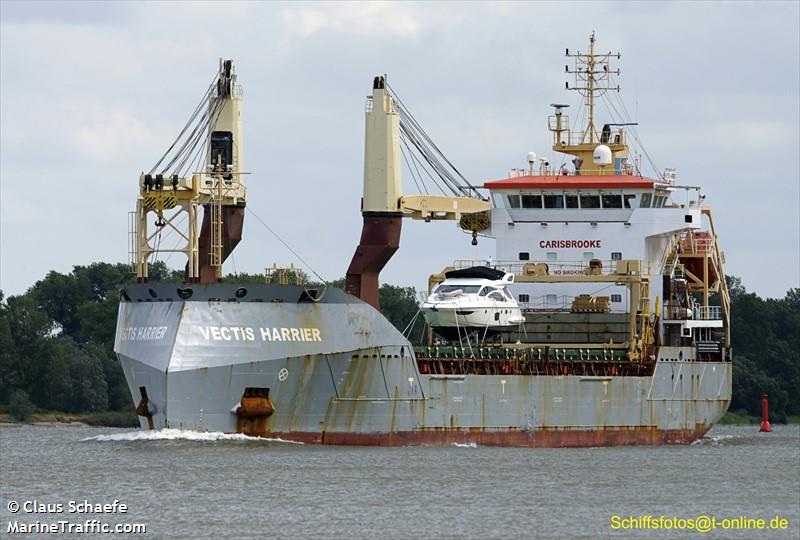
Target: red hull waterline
(546,438)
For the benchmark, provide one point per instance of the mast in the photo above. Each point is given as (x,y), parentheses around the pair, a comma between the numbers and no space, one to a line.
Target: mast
(592,73)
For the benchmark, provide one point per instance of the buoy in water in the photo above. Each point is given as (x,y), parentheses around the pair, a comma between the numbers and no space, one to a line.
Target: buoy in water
(765,425)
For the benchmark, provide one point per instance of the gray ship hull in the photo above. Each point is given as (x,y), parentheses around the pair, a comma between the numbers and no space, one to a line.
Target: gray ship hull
(336,371)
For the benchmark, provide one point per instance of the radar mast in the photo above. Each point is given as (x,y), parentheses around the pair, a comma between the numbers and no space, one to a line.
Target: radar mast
(592,73)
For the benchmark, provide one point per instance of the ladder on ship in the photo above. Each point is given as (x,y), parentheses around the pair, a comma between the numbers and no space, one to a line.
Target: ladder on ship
(215,208)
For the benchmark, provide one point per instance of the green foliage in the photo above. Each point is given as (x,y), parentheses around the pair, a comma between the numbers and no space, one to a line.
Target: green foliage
(766,345)
(19,405)
(121,419)
(738,418)
(400,306)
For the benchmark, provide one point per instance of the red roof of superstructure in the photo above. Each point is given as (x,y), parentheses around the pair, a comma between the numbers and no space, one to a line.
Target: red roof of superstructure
(570,182)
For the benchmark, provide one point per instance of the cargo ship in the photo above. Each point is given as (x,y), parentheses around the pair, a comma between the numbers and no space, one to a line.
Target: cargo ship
(624,335)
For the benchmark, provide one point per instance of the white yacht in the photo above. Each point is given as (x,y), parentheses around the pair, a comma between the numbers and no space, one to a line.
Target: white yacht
(472,299)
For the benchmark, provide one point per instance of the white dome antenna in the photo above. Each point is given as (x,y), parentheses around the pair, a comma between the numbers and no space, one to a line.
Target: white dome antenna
(602,155)
(531,161)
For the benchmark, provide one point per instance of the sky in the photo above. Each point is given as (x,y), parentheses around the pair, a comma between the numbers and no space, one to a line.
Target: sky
(91,94)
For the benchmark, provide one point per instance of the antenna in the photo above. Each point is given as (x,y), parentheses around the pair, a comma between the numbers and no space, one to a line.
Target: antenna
(592,79)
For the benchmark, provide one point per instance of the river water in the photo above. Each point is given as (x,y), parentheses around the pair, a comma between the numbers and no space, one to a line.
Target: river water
(211,486)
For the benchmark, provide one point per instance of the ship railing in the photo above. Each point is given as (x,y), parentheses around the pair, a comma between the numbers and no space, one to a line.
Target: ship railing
(596,267)
(700,242)
(570,137)
(676,312)
(547,302)
(707,313)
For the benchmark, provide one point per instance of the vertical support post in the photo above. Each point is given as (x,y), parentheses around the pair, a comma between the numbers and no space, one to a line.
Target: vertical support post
(590,83)
(142,248)
(705,278)
(380,239)
(380,233)
(635,293)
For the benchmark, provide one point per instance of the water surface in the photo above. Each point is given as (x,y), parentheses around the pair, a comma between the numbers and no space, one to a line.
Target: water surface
(210,486)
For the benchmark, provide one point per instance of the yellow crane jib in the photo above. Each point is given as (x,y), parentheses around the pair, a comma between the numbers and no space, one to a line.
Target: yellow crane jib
(439,207)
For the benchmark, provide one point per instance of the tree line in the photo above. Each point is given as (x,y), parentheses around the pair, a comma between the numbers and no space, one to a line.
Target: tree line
(56,341)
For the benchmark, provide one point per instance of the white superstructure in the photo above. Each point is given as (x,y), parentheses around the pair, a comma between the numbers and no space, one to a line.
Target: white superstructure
(601,253)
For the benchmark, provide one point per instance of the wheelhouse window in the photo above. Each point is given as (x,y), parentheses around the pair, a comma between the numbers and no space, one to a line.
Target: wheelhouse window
(612,201)
(554,201)
(572,201)
(629,200)
(513,201)
(646,199)
(485,291)
(531,201)
(498,200)
(497,296)
(590,201)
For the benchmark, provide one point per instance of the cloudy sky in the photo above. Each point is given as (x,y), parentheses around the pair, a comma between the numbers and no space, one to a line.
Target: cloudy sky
(92,94)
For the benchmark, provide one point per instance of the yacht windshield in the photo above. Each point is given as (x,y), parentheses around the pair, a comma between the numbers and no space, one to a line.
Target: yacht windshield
(466,289)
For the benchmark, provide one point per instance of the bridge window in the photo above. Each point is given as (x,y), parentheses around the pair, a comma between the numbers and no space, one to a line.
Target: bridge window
(590,201)
(531,201)
(629,200)
(571,200)
(646,198)
(513,201)
(612,201)
(554,201)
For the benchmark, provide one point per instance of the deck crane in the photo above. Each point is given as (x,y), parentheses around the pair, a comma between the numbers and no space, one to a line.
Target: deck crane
(384,204)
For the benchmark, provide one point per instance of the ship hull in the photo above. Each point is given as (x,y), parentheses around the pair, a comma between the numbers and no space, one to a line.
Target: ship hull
(539,438)
(337,372)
